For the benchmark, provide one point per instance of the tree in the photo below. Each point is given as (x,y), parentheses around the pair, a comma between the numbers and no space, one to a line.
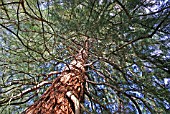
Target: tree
(127,62)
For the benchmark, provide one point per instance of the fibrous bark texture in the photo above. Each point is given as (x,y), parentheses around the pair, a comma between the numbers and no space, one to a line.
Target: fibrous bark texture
(55,99)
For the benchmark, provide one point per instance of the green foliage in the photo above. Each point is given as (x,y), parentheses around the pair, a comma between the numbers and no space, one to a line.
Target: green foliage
(129,49)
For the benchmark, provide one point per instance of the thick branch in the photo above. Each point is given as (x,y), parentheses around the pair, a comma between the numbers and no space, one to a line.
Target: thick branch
(75,101)
(26,91)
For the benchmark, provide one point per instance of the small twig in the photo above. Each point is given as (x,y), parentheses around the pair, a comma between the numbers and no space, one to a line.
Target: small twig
(125,10)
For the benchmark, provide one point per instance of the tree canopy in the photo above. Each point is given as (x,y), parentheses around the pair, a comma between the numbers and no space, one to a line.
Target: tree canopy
(128,60)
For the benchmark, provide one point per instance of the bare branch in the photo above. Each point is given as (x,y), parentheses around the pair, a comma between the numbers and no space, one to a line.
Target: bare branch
(26,91)
(75,101)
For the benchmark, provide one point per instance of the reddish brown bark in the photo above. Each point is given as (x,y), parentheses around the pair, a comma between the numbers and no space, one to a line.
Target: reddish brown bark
(55,100)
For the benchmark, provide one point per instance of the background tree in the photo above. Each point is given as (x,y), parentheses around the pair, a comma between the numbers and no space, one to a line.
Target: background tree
(129,55)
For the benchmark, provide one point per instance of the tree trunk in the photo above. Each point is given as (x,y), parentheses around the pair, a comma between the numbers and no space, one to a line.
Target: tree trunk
(66,92)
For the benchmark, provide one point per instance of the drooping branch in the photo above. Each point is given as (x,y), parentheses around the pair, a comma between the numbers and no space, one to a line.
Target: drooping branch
(144,36)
